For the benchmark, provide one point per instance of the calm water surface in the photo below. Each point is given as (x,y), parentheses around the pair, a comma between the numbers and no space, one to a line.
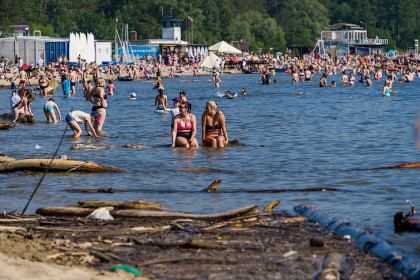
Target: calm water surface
(297,136)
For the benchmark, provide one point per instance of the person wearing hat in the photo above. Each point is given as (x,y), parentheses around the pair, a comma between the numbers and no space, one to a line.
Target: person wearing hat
(43,84)
(174,111)
(75,118)
(133,95)
(161,100)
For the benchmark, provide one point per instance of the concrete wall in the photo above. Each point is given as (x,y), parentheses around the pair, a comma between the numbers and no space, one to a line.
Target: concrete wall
(30,49)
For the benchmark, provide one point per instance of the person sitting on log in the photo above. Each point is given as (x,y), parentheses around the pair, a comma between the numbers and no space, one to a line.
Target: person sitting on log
(23,107)
(75,117)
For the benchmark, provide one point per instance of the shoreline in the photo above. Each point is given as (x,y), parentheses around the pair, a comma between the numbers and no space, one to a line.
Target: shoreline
(267,246)
(4,84)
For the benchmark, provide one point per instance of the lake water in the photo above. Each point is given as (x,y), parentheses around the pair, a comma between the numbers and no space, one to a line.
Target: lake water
(297,136)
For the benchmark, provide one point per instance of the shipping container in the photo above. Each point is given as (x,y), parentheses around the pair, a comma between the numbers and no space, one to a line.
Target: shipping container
(55,49)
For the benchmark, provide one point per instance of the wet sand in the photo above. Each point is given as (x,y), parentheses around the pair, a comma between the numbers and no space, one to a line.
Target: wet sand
(272,246)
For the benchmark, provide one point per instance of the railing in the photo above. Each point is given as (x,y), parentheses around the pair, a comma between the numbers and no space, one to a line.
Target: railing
(379,42)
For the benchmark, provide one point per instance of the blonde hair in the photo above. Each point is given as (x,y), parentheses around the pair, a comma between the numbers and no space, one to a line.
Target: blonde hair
(100,82)
(212,104)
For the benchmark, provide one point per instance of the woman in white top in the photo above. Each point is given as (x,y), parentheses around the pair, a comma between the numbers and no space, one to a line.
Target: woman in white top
(75,117)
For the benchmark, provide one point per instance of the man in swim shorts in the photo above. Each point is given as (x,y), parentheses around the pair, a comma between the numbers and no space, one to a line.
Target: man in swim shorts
(75,118)
(73,81)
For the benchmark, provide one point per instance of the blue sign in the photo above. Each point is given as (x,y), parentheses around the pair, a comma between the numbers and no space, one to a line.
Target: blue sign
(141,51)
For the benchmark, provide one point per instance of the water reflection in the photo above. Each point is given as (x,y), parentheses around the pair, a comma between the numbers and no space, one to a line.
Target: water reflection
(312,137)
(185,155)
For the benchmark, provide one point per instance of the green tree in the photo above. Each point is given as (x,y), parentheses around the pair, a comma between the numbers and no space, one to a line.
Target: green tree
(7,29)
(304,18)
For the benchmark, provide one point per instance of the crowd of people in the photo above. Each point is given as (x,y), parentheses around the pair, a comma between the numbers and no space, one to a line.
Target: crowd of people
(183,122)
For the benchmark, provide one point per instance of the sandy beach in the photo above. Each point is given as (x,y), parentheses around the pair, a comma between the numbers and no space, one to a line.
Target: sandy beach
(271,246)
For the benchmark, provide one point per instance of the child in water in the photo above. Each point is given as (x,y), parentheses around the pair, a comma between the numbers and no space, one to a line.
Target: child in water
(333,84)
(110,88)
(48,109)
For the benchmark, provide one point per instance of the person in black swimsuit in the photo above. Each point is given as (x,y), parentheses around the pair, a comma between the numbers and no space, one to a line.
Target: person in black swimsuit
(213,128)
(98,97)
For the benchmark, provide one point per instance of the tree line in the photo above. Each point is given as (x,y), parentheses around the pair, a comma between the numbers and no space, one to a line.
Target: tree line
(267,24)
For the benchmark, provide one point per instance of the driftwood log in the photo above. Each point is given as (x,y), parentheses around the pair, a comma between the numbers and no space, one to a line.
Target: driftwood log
(242,213)
(404,165)
(269,207)
(213,186)
(4,125)
(57,165)
(102,190)
(139,204)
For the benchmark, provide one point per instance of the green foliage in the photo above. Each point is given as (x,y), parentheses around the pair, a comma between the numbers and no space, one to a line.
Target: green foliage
(46,30)
(267,24)
(7,29)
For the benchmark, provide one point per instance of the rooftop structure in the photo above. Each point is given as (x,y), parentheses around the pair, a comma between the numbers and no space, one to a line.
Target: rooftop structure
(23,30)
(348,38)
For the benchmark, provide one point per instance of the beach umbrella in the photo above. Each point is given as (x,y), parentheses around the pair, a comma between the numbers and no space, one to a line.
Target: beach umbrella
(279,53)
(24,66)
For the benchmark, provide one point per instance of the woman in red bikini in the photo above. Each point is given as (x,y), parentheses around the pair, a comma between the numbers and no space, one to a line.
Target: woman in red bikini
(185,128)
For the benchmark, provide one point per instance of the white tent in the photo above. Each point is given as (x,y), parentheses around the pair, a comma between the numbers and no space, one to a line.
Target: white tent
(223,47)
(210,61)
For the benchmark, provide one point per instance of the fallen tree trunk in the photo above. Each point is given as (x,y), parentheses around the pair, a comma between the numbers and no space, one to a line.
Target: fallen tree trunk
(57,165)
(139,205)
(242,213)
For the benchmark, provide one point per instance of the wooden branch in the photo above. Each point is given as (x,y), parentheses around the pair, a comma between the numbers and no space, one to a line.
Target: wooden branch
(213,186)
(57,165)
(242,213)
(269,207)
(404,165)
(101,190)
